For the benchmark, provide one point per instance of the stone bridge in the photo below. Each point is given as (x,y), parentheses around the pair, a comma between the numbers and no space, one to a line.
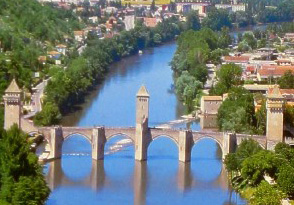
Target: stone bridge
(141,135)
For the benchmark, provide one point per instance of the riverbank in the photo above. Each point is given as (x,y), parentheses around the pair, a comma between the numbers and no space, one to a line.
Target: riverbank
(262,176)
(68,87)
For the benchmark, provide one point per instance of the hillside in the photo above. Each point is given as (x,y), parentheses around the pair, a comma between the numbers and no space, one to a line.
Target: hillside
(28,30)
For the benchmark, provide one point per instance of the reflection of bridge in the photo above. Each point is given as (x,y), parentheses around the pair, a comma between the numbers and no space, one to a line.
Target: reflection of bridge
(141,135)
(98,179)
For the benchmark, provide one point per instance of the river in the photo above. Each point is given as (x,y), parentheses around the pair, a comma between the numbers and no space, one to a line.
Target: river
(162,179)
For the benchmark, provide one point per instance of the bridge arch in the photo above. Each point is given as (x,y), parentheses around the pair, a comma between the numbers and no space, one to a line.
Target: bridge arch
(124,135)
(207,152)
(208,137)
(164,136)
(163,146)
(67,136)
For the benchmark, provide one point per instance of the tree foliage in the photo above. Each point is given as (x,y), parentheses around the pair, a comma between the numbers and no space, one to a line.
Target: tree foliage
(266,194)
(22,180)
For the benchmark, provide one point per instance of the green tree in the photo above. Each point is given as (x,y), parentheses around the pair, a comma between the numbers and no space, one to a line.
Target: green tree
(200,72)
(157,38)
(286,179)
(193,21)
(250,39)
(224,39)
(22,178)
(188,87)
(266,194)
(256,166)
(216,19)
(49,115)
(228,75)
(287,80)
(285,152)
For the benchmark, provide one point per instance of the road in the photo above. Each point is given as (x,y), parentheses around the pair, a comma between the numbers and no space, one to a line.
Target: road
(36,99)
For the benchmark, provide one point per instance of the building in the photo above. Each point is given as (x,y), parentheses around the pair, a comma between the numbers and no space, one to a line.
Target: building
(145,2)
(239,60)
(196,6)
(289,36)
(273,71)
(256,88)
(61,48)
(54,54)
(79,35)
(150,22)
(210,104)
(231,7)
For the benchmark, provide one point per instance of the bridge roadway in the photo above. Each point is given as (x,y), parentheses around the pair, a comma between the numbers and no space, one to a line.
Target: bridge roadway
(184,139)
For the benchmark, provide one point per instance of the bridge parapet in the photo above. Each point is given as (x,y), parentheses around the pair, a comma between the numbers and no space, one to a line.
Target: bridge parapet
(262,141)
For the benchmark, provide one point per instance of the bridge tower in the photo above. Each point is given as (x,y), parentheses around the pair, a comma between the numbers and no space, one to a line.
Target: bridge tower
(142,115)
(12,103)
(142,105)
(274,123)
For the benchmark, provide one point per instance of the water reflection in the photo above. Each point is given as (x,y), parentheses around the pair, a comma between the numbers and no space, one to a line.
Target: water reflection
(56,177)
(99,180)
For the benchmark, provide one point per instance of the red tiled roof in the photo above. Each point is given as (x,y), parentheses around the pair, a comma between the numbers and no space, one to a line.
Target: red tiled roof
(287,91)
(78,33)
(236,59)
(150,22)
(250,68)
(275,70)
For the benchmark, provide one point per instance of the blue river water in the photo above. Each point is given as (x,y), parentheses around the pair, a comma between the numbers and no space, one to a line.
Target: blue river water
(119,179)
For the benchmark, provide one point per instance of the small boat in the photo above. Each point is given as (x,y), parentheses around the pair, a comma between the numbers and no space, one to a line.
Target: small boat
(140,52)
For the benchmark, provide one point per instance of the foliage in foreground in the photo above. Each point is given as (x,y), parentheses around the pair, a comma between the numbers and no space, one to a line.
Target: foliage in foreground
(249,165)
(21,177)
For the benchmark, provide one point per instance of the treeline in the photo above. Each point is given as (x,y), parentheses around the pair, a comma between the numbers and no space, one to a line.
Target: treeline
(250,165)
(68,87)
(256,11)
(21,176)
(196,49)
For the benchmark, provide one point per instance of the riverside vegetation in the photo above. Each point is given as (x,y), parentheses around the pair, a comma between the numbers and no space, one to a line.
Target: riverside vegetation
(250,165)
(21,176)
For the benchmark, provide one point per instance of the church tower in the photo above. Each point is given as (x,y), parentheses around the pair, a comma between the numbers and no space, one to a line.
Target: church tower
(275,117)
(12,103)
(142,105)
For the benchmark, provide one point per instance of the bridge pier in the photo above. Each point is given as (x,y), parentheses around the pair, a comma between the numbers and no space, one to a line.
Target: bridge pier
(142,140)
(140,183)
(185,145)
(185,178)
(229,143)
(97,177)
(56,142)
(98,142)
(54,178)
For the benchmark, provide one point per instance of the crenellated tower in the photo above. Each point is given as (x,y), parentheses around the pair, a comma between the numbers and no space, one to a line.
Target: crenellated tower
(275,117)
(12,103)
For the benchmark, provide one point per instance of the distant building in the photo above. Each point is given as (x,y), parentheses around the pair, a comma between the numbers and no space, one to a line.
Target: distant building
(231,7)
(54,54)
(238,60)
(210,104)
(145,2)
(129,22)
(93,19)
(273,71)
(150,22)
(79,36)
(289,36)
(61,48)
